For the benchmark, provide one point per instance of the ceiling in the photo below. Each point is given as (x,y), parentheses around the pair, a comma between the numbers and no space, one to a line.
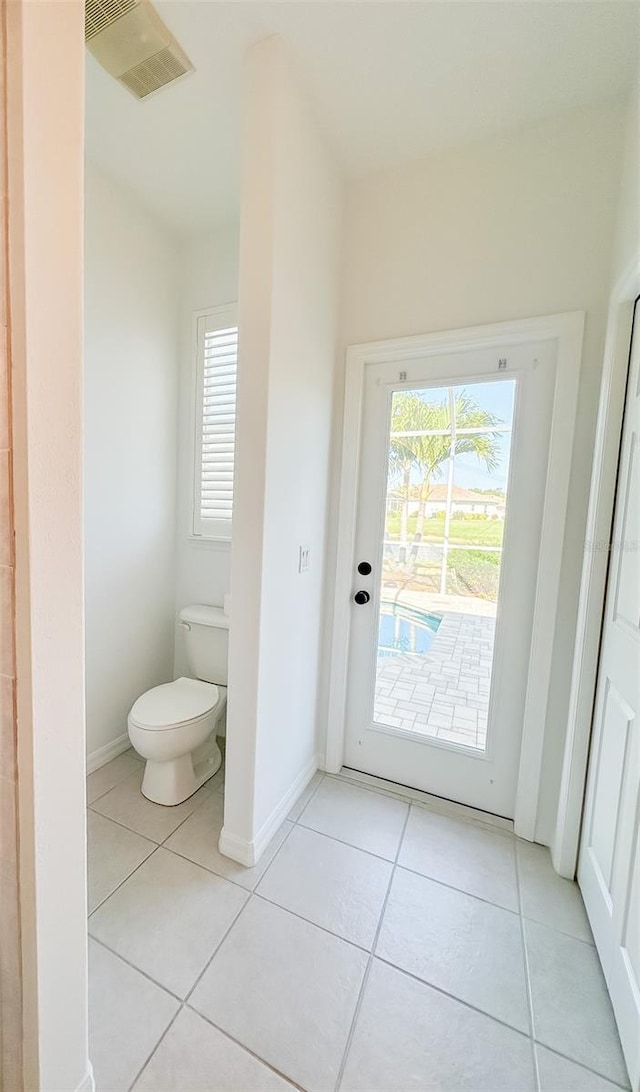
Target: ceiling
(391,81)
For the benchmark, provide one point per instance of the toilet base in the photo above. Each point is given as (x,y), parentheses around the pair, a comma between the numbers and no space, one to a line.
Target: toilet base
(170,783)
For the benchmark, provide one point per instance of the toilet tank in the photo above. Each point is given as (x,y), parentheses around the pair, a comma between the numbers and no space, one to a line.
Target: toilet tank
(206,636)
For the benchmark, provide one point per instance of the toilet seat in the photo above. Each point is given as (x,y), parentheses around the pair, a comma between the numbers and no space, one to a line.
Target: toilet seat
(175,704)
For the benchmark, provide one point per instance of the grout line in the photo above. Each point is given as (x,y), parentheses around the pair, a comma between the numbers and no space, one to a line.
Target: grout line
(122,882)
(117,784)
(218,946)
(308,921)
(405,868)
(205,799)
(459,890)
(342,842)
(150,1056)
(169,849)
(582,1065)
(276,854)
(527,975)
(237,1042)
(352,1028)
(124,826)
(367,973)
(453,997)
(158,846)
(133,967)
(560,932)
(228,879)
(132,830)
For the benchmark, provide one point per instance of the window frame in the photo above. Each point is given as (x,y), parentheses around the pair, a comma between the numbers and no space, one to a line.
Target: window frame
(207,320)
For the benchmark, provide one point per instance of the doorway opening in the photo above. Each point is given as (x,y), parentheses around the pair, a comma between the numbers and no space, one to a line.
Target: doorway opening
(453,503)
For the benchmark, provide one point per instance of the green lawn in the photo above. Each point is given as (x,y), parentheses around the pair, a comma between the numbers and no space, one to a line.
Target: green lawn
(479,531)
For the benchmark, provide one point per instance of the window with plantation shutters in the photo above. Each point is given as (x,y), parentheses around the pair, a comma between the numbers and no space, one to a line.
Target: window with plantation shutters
(217,359)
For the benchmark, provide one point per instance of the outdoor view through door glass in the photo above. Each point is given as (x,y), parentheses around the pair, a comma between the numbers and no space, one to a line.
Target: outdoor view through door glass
(446,499)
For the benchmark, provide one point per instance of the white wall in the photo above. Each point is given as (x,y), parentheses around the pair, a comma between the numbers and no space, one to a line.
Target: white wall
(627,236)
(208,278)
(289,248)
(515,226)
(131,392)
(45,114)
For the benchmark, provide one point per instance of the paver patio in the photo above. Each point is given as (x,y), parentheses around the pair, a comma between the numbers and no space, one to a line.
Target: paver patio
(443,693)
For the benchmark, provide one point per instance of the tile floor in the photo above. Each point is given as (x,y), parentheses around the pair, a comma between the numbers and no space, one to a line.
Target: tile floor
(378,946)
(444,692)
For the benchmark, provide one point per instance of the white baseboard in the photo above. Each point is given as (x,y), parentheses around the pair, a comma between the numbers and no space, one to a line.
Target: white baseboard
(249,853)
(88,1084)
(110,750)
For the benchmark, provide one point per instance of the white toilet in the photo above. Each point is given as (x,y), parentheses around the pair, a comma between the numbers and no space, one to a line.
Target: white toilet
(174,726)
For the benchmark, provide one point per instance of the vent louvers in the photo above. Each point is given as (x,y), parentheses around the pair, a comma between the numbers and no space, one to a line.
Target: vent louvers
(153,74)
(100,14)
(129,39)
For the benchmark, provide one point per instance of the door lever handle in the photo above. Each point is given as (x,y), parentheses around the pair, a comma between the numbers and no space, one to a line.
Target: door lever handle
(361,597)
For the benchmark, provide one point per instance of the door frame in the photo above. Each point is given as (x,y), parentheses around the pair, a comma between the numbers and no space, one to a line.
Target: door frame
(566,839)
(567,330)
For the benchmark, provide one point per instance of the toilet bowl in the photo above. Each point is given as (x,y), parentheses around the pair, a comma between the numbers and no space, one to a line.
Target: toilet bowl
(173,726)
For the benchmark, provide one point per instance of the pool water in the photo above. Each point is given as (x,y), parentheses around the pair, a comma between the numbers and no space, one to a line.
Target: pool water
(405,629)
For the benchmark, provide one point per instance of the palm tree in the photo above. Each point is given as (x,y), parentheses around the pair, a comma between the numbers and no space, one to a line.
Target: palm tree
(413,445)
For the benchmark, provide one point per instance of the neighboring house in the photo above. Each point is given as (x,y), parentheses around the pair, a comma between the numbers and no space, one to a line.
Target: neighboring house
(464,501)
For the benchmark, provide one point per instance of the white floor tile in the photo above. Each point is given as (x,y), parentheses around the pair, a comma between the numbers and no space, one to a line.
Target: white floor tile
(113,854)
(305,796)
(334,885)
(546,896)
(286,990)
(559,1075)
(571,1007)
(197,839)
(168,918)
(216,783)
(127,1016)
(126,804)
(452,940)
(410,1038)
(100,781)
(196,1057)
(464,855)
(363,818)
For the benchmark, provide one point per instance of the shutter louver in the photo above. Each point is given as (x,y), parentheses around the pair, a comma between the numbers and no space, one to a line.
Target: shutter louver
(219,349)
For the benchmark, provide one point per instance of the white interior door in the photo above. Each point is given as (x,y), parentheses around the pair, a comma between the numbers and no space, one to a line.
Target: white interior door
(454,463)
(609,864)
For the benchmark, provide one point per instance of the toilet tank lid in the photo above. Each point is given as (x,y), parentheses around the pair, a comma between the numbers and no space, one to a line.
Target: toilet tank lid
(199,615)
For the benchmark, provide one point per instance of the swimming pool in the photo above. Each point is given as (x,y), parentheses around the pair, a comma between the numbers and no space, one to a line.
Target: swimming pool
(405,629)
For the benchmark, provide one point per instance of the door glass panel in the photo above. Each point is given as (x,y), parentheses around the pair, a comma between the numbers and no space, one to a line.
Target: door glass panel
(446,500)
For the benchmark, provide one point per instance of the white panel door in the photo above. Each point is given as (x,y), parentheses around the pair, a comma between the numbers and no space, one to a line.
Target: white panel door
(454,465)
(609,865)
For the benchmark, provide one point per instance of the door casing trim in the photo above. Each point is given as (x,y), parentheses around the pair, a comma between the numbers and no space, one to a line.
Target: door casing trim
(567,330)
(566,839)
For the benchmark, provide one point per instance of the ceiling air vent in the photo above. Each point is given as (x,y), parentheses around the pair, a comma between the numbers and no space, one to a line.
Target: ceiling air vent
(129,39)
